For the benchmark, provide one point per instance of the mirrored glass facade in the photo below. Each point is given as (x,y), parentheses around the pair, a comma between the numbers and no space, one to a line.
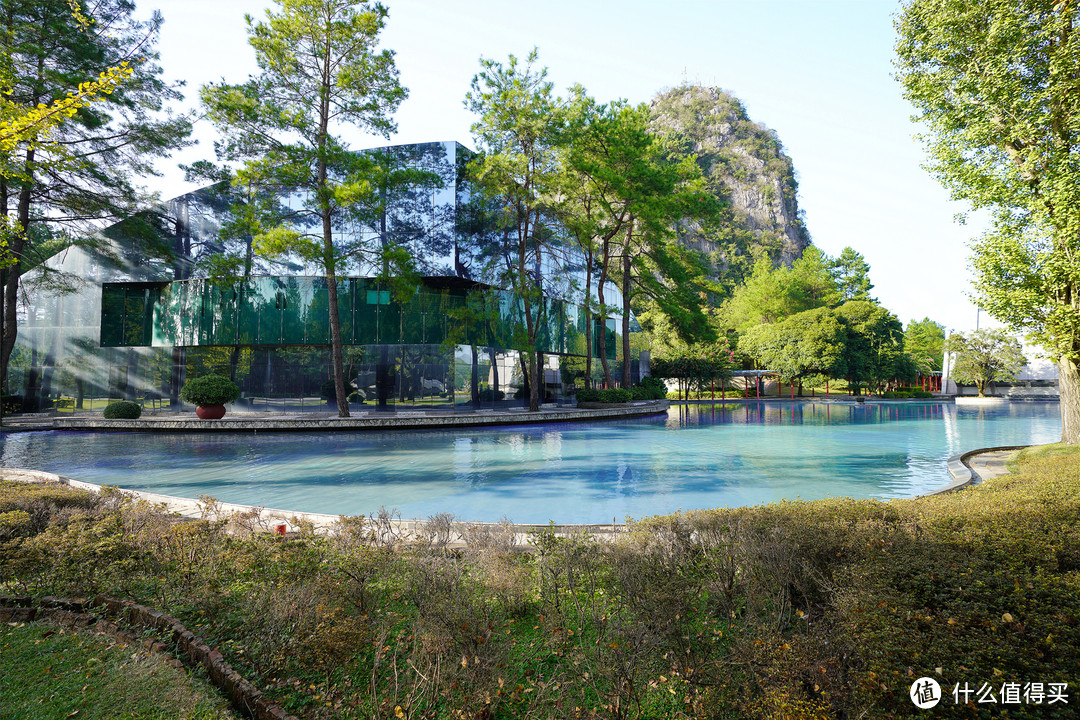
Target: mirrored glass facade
(130,325)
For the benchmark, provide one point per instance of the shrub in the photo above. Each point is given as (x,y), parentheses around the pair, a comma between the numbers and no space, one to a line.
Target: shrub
(640,393)
(922,394)
(588,395)
(328,391)
(355,397)
(489,395)
(657,388)
(122,410)
(209,390)
(615,395)
(12,404)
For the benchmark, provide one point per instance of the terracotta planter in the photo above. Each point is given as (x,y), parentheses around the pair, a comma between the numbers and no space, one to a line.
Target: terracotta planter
(210,412)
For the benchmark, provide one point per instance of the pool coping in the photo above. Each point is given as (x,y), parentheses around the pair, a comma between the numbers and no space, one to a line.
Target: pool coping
(400,420)
(961,471)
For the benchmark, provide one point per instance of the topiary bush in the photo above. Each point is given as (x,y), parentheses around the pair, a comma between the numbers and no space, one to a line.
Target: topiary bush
(640,393)
(122,410)
(588,395)
(489,395)
(657,388)
(209,390)
(615,395)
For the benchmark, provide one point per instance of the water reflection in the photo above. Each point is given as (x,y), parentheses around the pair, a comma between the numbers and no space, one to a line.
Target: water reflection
(695,456)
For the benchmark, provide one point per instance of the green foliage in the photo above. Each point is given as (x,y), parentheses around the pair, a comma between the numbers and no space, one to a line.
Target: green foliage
(771,293)
(519,123)
(994,84)
(696,368)
(985,356)
(122,410)
(588,395)
(874,354)
(656,387)
(810,342)
(209,390)
(852,274)
(924,341)
(319,70)
(84,174)
(615,395)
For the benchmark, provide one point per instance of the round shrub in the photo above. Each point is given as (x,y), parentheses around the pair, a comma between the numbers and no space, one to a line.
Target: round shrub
(640,393)
(209,390)
(122,410)
(489,395)
(657,387)
(615,395)
(588,395)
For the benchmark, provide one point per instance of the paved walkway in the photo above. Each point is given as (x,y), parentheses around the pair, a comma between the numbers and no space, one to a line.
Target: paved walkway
(991,464)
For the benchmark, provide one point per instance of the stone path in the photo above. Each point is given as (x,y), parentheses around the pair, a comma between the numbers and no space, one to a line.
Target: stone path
(991,464)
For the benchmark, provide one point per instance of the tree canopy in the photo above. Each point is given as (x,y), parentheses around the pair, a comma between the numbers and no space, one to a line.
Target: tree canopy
(994,84)
(985,356)
(320,69)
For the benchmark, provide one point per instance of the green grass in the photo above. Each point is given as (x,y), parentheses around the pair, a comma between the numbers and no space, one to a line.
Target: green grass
(48,672)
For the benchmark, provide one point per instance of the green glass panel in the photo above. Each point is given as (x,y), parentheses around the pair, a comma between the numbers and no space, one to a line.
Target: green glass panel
(166,317)
(366,319)
(389,324)
(346,290)
(112,315)
(293,300)
(248,313)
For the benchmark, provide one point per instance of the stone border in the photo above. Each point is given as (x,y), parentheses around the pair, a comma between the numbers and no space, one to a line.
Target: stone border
(270,518)
(961,472)
(403,420)
(190,649)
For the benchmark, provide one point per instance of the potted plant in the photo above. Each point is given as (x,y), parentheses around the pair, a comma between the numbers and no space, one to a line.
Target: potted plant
(209,394)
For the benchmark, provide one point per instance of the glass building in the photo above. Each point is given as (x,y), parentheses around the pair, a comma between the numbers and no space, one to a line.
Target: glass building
(116,320)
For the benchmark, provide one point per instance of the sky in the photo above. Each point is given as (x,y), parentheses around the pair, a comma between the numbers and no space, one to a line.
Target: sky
(818,72)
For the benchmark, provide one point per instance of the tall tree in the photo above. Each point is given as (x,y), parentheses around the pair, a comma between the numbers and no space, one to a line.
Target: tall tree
(985,356)
(517,135)
(924,341)
(995,84)
(852,274)
(58,190)
(320,70)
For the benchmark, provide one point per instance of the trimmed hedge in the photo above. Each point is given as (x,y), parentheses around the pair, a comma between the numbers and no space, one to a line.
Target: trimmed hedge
(615,395)
(209,390)
(122,410)
(588,395)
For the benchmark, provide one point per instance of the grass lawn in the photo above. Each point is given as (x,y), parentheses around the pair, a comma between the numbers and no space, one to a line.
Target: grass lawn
(48,672)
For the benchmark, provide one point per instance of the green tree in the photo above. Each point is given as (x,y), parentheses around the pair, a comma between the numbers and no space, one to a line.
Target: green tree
(852,274)
(320,70)
(814,342)
(517,135)
(771,293)
(994,82)
(58,179)
(874,353)
(985,356)
(924,341)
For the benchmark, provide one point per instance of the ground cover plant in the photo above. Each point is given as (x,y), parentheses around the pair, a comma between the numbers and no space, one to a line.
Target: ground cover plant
(47,672)
(824,609)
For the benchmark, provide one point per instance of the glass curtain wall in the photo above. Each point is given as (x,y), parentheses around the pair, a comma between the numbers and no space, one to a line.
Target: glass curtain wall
(136,325)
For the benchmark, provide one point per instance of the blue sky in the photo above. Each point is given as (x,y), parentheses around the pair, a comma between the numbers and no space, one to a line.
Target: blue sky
(819,72)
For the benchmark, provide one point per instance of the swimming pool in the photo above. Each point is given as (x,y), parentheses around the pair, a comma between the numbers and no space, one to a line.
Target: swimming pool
(696,456)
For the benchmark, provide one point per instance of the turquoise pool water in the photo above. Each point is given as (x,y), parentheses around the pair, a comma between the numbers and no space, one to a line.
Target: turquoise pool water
(695,457)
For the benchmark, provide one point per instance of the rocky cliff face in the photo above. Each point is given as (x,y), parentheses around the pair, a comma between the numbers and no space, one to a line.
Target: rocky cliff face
(747,168)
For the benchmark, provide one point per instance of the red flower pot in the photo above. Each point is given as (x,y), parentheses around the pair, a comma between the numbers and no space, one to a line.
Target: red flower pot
(210,412)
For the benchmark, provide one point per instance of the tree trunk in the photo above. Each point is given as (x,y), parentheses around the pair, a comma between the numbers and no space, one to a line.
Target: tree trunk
(626,382)
(588,320)
(474,380)
(601,338)
(1069,389)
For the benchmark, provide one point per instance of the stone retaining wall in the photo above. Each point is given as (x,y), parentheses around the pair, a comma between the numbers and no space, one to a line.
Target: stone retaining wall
(186,648)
